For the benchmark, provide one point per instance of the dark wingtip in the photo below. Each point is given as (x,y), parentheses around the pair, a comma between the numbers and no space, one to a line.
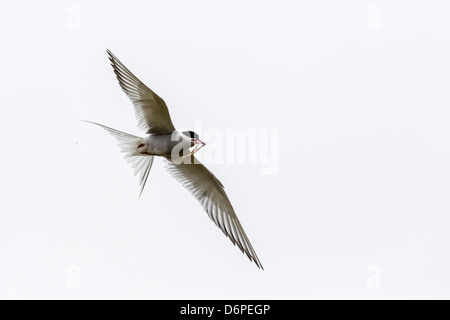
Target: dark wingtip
(260,266)
(111,55)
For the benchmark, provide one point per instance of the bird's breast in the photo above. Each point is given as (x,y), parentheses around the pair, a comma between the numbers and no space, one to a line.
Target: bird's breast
(161,144)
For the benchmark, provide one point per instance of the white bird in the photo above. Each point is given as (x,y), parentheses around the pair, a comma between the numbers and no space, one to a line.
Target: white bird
(165,141)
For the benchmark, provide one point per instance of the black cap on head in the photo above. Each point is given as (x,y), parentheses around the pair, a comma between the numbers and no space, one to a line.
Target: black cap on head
(191,134)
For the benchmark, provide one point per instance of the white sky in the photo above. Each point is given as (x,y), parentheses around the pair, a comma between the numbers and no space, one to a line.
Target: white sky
(358,91)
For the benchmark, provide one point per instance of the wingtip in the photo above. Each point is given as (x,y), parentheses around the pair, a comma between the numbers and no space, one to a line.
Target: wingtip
(258,263)
(92,122)
(111,55)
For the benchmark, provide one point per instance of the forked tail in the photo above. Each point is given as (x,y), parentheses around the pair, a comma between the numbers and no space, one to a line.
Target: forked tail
(128,144)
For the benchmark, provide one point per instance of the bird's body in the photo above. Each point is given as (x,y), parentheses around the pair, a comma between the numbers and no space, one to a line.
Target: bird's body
(163,144)
(163,140)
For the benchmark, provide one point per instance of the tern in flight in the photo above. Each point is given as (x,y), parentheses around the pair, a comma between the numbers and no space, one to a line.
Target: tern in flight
(163,140)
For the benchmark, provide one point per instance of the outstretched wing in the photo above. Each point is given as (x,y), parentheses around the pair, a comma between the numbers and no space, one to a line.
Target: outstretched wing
(151,111)
(207,189)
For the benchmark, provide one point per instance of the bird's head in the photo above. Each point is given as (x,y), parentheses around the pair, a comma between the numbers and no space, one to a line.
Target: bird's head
(194,140)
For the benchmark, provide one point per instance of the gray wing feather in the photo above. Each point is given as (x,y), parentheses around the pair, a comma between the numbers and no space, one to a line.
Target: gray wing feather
(208,190)
(151,111)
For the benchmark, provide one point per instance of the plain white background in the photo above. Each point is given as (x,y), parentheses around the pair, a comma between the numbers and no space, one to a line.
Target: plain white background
(358,90)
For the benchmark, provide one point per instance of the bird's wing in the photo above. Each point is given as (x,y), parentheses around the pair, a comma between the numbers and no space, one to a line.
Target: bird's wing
(151,111)
(207,189)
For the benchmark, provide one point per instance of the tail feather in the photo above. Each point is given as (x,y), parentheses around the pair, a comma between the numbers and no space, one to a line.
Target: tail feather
(128,144)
